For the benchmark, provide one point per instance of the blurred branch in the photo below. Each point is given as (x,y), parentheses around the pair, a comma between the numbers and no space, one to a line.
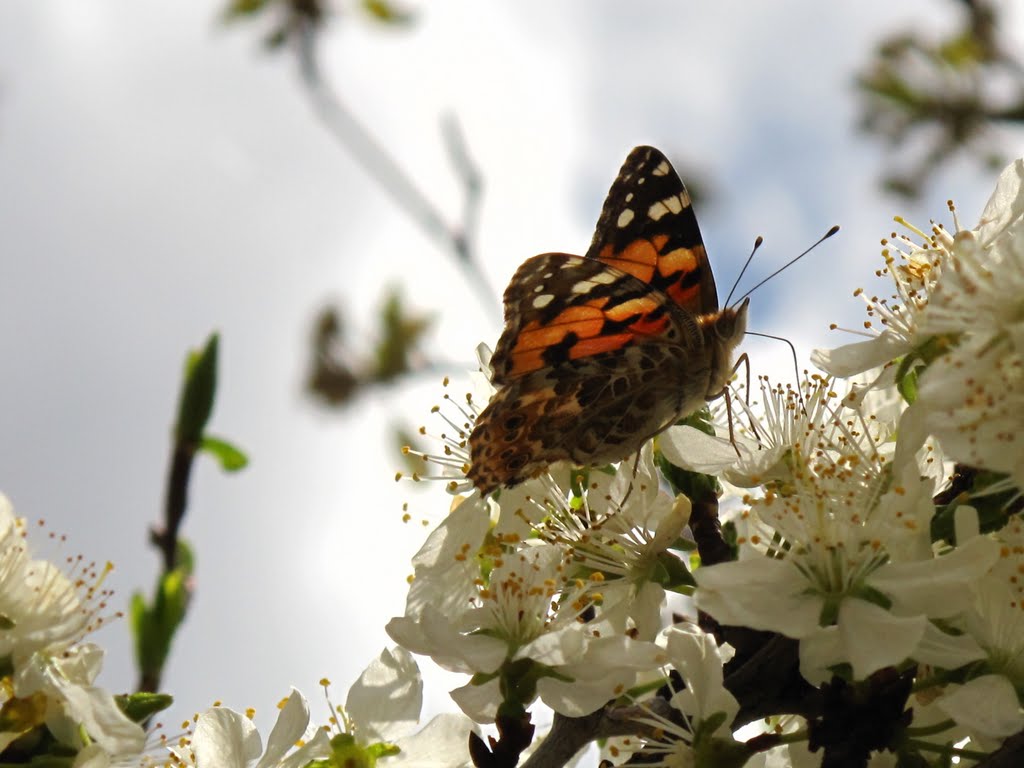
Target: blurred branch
(155,623)
(337,374)
(948,94)
(377,162)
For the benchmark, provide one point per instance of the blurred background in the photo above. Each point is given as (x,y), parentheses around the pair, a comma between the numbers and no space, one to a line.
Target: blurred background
(342,191)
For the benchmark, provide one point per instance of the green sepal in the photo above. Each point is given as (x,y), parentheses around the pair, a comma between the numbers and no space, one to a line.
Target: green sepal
(346,753)
(672,573)
(44,761)
(197,393)
(917,360)
(693,485)
(873,596)
(992,508)
(382,749)
(710,751)
(230,456)
(139,707)
(906,385)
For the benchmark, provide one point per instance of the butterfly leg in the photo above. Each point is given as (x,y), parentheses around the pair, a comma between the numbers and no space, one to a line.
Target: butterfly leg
(632,481)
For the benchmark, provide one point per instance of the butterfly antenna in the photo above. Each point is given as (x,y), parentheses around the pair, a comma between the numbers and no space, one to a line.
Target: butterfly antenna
(789,263)
(792,352)
(750,258)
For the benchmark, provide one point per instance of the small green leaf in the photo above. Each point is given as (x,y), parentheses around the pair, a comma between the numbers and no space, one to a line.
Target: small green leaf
(139,707)
(400,335)
(238,8)
(198,393)
(231,458)
(154,626)
(387,12)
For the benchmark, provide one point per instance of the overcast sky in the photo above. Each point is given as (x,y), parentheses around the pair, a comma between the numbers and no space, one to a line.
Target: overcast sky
(162,176)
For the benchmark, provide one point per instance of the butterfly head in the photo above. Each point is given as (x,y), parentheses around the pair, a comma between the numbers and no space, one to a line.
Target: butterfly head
(723,332)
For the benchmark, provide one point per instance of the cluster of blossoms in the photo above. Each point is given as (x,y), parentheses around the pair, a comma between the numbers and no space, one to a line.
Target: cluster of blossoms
(863,600)
(51,713)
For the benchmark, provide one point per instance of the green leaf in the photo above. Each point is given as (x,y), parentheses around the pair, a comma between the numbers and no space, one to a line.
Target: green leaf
(198,393)
(139,707)
(231,457)
(400,336)
(239,8)
(387,12)
(154,626)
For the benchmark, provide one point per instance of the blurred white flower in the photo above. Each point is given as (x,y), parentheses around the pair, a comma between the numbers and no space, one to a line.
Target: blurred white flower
(972,395)
(378,724)
(46,615)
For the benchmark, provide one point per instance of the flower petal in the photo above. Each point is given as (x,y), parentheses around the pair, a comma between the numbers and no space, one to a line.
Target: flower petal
(225,739)
(987,705)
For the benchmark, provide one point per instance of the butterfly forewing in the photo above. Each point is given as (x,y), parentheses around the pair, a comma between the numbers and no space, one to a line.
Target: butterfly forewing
(561,308)
(647,228)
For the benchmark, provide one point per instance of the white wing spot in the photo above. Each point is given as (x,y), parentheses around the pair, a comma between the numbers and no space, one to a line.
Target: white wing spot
(641,180)
(538,288)
(542,301)
(674,204)
(625,217)
(629,197)
(657,210)
(583,286)
(548,275)
(603,278)
(662,169)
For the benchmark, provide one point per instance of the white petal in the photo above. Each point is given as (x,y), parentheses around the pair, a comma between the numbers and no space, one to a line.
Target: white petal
(385,701)
(874,638)
(850,359)
(696,451)
(987,705)
(1006,204)
(937,588)
(441,743)
(760,593)
(820,651)
(289,728)
(225,739)
(98,713)
(92,756)
(316,748)
(555,648)
(939,649)
(479,702)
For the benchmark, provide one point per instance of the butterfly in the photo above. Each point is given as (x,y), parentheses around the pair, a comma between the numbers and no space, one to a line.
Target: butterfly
(601,352)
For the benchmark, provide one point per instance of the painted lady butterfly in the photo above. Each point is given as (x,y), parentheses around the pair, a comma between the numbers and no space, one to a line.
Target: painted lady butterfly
(602,352)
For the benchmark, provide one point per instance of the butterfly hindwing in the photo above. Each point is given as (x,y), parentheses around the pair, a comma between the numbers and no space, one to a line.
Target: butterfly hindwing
(592,412)
(648,229)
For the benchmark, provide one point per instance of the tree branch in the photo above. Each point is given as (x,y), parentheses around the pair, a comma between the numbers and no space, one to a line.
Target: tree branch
(382,167)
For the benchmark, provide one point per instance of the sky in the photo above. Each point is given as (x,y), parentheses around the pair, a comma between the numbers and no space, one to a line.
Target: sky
(162,176)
